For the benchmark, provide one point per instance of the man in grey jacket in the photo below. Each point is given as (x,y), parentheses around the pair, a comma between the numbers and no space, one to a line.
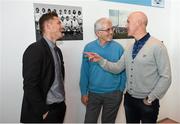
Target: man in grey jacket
(148,71)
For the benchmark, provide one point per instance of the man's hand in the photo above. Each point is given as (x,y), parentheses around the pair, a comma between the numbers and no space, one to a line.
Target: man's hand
(45,115)
(146,102)
(93,57)
(84,100)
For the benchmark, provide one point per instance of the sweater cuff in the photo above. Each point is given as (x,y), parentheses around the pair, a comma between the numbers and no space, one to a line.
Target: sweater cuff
(102,62)
(152,97)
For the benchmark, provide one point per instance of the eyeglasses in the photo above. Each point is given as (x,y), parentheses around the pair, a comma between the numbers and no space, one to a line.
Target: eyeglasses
(108,29)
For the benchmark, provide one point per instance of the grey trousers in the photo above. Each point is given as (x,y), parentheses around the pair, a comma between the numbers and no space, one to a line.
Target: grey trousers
(109,102)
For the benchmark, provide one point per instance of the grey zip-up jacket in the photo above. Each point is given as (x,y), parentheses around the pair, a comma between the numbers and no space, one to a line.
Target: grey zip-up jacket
(148,74)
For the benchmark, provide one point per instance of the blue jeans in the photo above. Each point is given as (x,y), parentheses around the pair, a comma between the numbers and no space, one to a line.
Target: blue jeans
(109,102)
(136,111)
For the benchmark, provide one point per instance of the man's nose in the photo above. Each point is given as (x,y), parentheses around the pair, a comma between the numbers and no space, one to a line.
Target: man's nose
(111,31)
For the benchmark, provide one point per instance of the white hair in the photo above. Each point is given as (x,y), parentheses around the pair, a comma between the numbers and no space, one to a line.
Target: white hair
(98,25)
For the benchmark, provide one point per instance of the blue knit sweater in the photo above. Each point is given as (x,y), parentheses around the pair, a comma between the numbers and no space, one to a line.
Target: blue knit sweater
(93,78)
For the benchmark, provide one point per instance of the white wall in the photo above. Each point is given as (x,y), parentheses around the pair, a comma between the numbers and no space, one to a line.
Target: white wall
(172,99)
(18,32)
(0,59)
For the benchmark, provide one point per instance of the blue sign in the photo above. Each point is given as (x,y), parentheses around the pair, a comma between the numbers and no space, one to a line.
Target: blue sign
(155,3)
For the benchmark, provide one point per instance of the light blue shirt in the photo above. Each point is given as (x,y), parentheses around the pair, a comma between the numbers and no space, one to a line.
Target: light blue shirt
(55,94)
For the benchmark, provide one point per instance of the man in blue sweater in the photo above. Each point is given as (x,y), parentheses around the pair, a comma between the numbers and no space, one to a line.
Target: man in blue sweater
(100,88)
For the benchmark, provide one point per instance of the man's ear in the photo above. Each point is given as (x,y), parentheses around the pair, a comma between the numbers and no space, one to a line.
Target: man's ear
(98,34)
(139,22)
(47,25)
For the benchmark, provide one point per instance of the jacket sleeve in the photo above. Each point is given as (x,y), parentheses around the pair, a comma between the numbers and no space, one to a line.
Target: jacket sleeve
(84,76)
(164,70)
(32,61)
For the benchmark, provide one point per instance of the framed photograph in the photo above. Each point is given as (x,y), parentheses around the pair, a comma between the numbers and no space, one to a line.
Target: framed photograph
(71,17)
(119,20)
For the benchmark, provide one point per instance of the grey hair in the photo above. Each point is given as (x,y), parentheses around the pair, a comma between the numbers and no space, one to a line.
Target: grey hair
(98,25)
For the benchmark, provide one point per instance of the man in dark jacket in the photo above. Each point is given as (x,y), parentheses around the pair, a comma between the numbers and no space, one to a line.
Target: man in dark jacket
(43,73)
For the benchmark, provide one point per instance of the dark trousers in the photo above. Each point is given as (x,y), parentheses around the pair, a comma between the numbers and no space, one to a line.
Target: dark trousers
(56,113)
(108,102)
(136,111)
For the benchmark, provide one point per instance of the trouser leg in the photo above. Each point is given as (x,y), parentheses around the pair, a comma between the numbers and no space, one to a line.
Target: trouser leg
(56,113)
(132,111)
(93,108)
(111,106)
(149,113)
